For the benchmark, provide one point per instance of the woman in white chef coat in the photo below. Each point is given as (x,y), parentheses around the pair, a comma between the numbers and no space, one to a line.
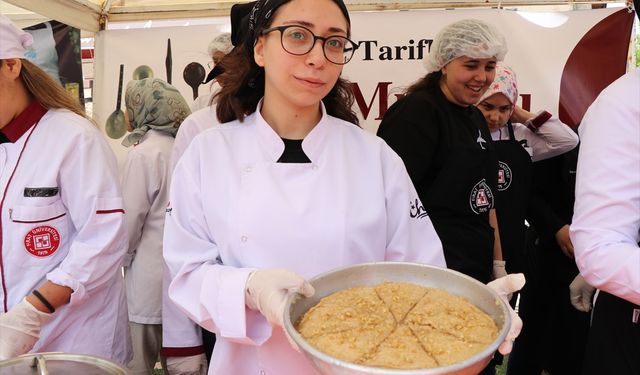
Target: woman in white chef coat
(155,110)
(286,188)
(62,219)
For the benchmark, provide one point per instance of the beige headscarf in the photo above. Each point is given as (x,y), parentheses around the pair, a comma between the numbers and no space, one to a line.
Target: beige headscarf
(152,103)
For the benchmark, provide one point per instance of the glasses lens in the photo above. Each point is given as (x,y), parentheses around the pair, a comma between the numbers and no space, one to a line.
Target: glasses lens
(297,40)
(338,50)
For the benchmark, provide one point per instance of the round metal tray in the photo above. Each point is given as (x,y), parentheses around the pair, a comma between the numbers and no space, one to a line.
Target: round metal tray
(370,274)
(59,364)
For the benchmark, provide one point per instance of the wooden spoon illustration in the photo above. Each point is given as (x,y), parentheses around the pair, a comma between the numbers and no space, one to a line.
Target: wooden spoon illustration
(115,127)
(193,75)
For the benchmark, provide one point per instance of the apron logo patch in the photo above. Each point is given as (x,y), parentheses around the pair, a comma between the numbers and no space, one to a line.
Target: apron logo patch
(417,210)
(504,176)
(42,241)
(481,199)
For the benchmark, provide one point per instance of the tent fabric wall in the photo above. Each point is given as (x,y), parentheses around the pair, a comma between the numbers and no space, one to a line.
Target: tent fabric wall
(93,15)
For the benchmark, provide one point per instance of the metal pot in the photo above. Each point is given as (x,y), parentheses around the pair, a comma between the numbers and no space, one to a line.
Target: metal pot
(370,274)
(59,364)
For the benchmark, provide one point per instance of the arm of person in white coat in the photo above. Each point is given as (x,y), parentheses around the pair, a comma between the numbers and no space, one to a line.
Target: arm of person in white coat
(209,293)
(140,185)
(553,138)
(181,337)
(193,125)
(90,191)
(606,223)
(411,236)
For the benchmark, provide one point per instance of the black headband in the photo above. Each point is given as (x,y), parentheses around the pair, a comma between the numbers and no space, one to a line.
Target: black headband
(247,18)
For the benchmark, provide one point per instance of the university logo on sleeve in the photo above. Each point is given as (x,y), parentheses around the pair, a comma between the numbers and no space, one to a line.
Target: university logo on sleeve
(504,176)
(42,241)
(481,198)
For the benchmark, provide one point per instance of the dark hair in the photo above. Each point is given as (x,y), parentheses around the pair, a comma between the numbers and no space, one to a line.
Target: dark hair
(243,85)
(429,81)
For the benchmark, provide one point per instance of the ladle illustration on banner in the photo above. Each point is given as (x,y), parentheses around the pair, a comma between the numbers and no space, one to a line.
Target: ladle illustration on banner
(115,127)
(194,75)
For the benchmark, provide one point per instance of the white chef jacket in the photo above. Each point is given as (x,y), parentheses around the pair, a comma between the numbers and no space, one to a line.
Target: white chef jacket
(606,222)
(193,125)
(552,139)
(235,209)
(145,188)
(181,336)
(203,101)
(73,237)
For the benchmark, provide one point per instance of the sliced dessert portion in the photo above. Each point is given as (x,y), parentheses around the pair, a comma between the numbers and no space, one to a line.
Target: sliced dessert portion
(400,297)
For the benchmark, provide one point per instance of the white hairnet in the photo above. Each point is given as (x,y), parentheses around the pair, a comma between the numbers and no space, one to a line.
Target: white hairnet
(472,38)
(220,43)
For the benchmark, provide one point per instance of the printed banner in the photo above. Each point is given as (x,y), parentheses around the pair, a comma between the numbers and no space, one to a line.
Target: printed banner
(56,49)
(392,45)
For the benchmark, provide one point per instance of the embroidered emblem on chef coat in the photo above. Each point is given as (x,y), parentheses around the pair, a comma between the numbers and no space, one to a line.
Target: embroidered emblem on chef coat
(42,241)
(417,209)
(481,198)
(504,176)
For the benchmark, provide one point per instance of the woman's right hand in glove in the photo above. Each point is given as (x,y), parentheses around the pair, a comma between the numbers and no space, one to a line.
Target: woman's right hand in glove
(20,329)
(267,291)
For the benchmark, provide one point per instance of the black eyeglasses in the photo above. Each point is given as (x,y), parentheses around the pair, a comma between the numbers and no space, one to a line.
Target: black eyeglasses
(298,40)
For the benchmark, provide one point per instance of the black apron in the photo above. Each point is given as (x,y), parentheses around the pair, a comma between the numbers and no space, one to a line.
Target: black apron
(459,201)
(514,186)
(614,337)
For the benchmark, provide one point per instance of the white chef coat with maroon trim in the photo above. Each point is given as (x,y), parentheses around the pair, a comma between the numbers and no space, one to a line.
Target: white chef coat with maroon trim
(63,221)
(234,209)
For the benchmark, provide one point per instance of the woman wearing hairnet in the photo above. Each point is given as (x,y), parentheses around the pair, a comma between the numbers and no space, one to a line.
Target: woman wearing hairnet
(62,232)
(155,110)
(446,145)
(218,48)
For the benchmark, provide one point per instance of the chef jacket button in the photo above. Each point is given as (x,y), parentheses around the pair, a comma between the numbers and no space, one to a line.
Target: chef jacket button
(262,372)
(314,167)
(244,238)
(247,169)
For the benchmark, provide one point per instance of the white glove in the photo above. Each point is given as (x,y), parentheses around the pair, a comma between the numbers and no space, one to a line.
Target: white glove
(499,269)
(267,291)
(192,365)
(504,286)
(580,293)
(20,329)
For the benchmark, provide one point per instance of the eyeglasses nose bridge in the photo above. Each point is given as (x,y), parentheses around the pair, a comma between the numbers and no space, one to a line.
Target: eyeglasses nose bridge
(315,40)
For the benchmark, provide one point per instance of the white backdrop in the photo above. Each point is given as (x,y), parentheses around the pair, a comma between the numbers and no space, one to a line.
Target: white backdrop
(392,44)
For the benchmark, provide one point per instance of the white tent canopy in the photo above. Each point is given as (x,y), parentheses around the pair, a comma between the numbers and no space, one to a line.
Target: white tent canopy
(93,15)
